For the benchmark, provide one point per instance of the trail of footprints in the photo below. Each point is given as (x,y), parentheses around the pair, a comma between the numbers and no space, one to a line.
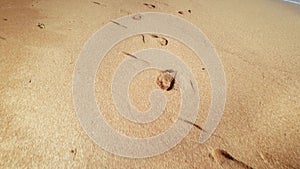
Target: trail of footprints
(222,157)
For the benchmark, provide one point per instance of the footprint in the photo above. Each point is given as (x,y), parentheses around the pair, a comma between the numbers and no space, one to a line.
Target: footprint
(227,161)
(163,41)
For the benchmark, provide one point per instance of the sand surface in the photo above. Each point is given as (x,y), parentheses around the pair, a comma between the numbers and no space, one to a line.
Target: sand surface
(258,43)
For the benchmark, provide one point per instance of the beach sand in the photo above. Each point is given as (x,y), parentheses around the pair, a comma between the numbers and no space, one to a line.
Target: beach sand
(258,43)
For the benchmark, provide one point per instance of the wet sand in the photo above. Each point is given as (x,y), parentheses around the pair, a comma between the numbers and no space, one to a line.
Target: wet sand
(258,43)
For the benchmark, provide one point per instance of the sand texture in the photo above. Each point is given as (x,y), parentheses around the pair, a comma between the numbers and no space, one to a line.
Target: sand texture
(258,43)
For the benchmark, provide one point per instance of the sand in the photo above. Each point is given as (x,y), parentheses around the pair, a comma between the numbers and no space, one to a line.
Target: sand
(258,43)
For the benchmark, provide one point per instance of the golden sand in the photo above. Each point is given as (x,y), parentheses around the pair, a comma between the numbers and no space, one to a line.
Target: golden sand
(258,43)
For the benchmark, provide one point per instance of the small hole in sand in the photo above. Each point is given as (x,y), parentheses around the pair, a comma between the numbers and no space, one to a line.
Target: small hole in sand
(180,12)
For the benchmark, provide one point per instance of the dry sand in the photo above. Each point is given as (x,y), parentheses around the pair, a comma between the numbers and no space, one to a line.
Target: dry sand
(257,41)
